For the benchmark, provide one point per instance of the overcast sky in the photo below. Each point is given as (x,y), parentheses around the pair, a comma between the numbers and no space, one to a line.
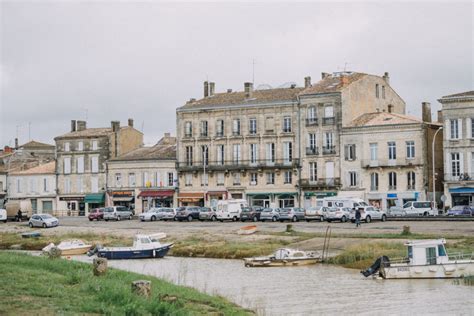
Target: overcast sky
(114,60)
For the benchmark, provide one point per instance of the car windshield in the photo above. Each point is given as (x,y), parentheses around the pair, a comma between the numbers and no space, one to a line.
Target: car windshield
(286,209)
(246,209)
(109,210)
(46,216)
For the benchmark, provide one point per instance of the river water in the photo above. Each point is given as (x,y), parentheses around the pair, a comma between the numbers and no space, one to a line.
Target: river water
(318,289)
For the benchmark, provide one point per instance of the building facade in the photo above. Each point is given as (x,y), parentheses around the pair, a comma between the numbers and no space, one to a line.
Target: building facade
(81,162)
(458,146)
(145,177)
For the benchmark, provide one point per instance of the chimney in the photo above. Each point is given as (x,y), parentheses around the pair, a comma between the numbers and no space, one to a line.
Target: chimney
(386,77)
(115,126)
(426,112)
(248,88)
(229,90)
(73,125)
(390,108)
(307,82)
(344,80)
(16,143)
(324,75)
(130,122)
(440,116)
(206,89)
(81,125)
(167,134)
(212,86)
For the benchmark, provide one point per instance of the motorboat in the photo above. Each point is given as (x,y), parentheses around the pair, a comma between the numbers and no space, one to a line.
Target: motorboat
(284,257)
(426,259)
(70,247)
(144,246)
(247,230)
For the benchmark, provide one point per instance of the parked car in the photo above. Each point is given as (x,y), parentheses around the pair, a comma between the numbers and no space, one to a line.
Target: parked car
(251,213)
(150,215)
(337,214)
(43,220)
(421,208)
(97,214)
(167,214)
(461,210)
(396,211)
(293,214)
(188,213)
(315,213)
(3,215)
(368,214)
(207,214)
(270,214)
(117,213)
(230,209)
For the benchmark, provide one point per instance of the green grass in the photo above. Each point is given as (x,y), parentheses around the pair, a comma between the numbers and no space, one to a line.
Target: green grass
(42,286)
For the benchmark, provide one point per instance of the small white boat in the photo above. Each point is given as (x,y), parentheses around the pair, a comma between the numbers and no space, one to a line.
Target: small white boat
(70,247)
(284,257)
(426,259)
(247,230)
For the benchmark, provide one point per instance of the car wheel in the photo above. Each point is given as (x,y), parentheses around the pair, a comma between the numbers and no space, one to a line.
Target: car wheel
(274,219)
(343,219)
(153,218)
(308,220)
(321,219)
(106,219)
(31,225)
(329,220)
(255,219)
(213,218)
(44,225)
(242,220)
(130,217)
(294,219)
(425,214)
(384,218)
(367,219)
(190,218)
(234,219)
(404,213)
(91,219)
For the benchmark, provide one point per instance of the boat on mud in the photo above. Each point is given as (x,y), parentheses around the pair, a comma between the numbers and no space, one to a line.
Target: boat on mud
(144,247)
(284,257)
(426,259)
(247,230)
(69,247)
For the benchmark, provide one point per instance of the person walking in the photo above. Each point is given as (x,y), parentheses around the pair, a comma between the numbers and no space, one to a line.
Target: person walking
(357,216)
(19,215)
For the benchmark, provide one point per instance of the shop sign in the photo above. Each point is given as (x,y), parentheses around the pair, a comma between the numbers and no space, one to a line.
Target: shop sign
(71,198)
(122,194)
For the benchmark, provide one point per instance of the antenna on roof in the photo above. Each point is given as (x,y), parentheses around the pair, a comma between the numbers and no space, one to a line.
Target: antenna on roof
(143,125)
(86,112)
(29,131)
(253,71)
(345,66)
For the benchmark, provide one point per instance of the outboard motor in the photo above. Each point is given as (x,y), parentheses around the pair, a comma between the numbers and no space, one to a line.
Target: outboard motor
(375,267)
(94,250)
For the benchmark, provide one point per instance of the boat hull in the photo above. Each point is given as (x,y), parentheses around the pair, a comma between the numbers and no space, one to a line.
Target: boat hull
(74,251)
(111,254)
(280,263)
(437,271)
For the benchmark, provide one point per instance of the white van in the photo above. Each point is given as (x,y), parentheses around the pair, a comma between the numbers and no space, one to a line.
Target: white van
(421,208)
(3,215)
(351,203)
(230,209)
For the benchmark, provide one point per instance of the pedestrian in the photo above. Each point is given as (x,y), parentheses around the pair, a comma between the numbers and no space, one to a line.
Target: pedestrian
(19,215)
(357,216)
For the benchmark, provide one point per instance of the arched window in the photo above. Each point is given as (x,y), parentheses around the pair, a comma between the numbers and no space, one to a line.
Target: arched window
(411,180)
(374,181)
(392,180)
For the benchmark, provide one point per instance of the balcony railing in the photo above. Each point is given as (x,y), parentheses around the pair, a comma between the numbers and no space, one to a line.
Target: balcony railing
(312,121)
(240,165)
(461,177)
(392,187)
(312,151)
(329,150)
(220,134)
(399,162)
(374,188)
(253,132)
(188,135)
(329,120)
(235,133)
(287,130)
(320,183)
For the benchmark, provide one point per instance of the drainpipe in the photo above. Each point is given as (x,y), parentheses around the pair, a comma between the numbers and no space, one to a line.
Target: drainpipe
(299,168)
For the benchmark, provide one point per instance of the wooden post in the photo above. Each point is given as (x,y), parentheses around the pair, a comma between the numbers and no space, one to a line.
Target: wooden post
(142,288)
(289,228)
(99,266)
(406,230)
(54,252)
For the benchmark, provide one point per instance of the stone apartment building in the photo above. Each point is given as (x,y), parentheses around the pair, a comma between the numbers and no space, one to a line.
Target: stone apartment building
(81,162)
(386,158)
(458,146)
(145,177)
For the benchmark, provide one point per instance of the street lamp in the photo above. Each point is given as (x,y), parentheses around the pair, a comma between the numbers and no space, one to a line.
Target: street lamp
(433,162)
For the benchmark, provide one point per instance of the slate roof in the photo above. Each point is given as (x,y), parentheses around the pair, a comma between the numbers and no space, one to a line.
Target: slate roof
(333,83)
(88,132)
(383,118)
(36,145)
(47,168)
(165,149)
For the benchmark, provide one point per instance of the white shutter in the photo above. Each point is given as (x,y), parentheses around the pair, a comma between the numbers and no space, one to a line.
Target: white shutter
(461,163)
(447,166)
(460,128)
(447,130)
(469,127)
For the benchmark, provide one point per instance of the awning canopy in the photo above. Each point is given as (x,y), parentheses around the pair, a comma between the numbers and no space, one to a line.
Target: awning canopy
(156,193)
(94,198)
(216,192)
(461,190)
(191,195)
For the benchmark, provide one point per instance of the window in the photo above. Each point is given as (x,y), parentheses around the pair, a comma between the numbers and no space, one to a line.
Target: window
(94,164)
(287,124)
(95,145)
(352,178)
(237,178)
(205,155)
(253,153)
(131,179)
(328,111)
(350,152)
(392,150)
(472,127)
(80,146)
(410,149)
(253,178)
(33,185)
(270,153)
(118,179)
(374,181)
(392,180)
(67,185)
(220,178)
(383,92)
(377,90)
(253,126)
(313,171)
(312,140)
(411,180)
(311,113)
(204,128)
(67,147)
(189,155)
(188,129)
(373,151)
(80,164)
(67,165)
(236,154)
(328,140)
(288,177)
(94,184)
(454,129)
(269,124)
(220,154)
(270,178)
(236,127)
(455,164)
(204,179)
(287,152)
(189,179)
(170,179)
(145,182)
(220,128)
(45,185)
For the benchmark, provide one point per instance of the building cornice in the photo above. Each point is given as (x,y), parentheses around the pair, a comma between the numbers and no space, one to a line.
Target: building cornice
(236,106)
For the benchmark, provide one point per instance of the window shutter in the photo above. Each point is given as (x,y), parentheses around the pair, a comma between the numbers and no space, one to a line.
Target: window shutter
(447,130)
(461,163)
(469,127)
(355,153)
(460,128)
(346,152)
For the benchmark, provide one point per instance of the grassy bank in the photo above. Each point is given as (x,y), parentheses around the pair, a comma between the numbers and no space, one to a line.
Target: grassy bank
(42,286)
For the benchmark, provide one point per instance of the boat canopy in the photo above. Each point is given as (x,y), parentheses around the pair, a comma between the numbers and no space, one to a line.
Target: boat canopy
(426,242)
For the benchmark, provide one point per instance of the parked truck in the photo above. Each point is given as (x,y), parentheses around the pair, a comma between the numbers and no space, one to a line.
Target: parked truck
(12,208)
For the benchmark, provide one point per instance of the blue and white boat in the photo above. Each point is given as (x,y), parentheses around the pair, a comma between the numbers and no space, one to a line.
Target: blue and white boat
(144,246)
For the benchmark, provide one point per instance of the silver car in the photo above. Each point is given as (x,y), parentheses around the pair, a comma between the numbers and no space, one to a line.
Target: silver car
(150,215)
(117,213)
(43,220)
(167,214)
(337,214)
(315,213)
(270,214)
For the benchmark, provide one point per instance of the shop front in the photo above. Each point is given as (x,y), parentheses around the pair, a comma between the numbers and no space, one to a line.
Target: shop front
(462,196)
(191,198)
(212,197)
(272,199)
(75,205)
(94,200)
(385,201)
(123,198)
(156,198)
(315,198)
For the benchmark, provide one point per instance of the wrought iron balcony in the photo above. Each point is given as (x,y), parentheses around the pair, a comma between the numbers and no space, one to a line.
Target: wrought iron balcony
(313,121)
(329,150)
(459,177)
(329,120)
(321,183)
(399,162)
(228,165)
(312,151)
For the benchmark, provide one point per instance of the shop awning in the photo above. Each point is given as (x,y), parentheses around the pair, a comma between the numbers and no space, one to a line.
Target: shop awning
(191,196)
(216,192)
(156,193)
(123,199)
(96,198)
(461,190)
